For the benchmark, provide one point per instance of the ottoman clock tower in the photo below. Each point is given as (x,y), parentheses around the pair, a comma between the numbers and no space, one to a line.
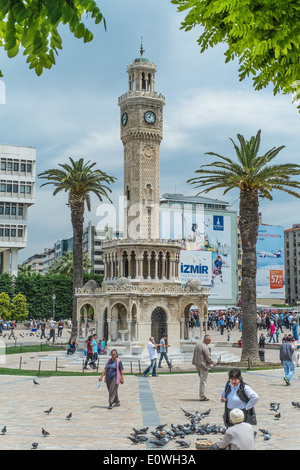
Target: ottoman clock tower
(141,293)
(141,134)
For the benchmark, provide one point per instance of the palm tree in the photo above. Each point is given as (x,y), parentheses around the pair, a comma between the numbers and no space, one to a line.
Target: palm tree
(79,180)
(254,177)
(64,264)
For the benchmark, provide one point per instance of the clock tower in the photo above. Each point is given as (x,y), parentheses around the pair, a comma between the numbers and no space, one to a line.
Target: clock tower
(141,133)
(141,294)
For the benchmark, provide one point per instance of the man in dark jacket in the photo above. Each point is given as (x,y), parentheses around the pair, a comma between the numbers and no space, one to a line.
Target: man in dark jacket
(286,358)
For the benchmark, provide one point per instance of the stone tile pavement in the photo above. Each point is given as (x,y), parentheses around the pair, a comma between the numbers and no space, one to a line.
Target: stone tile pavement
(144,402)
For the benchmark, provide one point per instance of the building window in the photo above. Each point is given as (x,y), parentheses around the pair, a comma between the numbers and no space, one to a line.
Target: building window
(8,187)
(13,210)
(6,232)
(23,167)
(20,232)
(7,212)
(15,188)
(13,232)
(1,232)
(2,187)
(16,166)
(29,167)
(28,189)
(22,188)
(3,166)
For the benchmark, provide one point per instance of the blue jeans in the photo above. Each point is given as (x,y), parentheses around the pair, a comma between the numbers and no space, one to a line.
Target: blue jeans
(152,366)
(163,355)
(289,369)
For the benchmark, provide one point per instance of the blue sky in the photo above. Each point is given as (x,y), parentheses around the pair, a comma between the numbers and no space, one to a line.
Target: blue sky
(72,110)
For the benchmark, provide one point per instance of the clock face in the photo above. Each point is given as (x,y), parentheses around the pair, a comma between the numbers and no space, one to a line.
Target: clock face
(150,117)
(124,119)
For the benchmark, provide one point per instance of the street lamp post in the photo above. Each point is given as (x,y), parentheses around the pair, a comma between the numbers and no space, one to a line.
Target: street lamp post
(53,298)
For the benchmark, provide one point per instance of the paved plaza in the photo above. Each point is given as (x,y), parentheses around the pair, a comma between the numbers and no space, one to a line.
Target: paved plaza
(144,402)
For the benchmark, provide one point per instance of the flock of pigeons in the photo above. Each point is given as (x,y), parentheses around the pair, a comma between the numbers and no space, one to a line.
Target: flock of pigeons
(162,435)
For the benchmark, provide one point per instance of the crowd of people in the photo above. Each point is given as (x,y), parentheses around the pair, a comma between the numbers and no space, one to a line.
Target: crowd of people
(271,321)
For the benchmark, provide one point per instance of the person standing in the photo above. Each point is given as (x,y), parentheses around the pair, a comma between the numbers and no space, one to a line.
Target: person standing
(239,436)
(163,351)
(295,330)
(43,328)
(60,327)
(202,361)
(90,354)
(52,330)
(152,348)
(114,376)
(95,347)
(272,332)
(237,394)
(286,358)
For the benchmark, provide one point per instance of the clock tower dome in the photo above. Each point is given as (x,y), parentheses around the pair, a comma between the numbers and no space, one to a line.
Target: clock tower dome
(141,133)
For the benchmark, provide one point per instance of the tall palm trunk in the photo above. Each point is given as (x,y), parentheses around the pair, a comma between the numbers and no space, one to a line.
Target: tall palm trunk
(248,223)
(77,217)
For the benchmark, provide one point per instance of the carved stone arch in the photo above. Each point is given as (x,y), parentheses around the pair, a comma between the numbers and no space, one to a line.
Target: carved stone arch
(125,262)
(159,323)
(146,264)
(134,322)
(132,264)
(118,317)
(187,318)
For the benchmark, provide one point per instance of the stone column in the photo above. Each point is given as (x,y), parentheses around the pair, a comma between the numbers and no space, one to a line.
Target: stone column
(181,329)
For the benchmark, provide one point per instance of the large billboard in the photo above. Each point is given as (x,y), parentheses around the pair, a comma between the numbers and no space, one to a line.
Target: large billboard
(206,249)
(270,262)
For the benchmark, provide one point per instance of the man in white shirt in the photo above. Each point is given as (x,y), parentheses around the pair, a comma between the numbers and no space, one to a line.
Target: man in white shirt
(152,348)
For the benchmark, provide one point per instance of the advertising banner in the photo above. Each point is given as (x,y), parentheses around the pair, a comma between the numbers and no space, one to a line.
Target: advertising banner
(270,262)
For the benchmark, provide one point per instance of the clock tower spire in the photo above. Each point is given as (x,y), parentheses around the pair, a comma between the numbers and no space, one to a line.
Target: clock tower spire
(141,133)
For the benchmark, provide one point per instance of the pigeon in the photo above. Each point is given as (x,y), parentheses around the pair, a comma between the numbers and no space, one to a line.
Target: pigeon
(69,416)
(142,438)
(34,445)
(267,437)
(140,431)
(160,427)
(49,411)
(206,413)
(35,382)
(134,440)
(278,416)
(296,404)
(45,433)
(274,406)
(3,431)
(183,443)
(264,431)
(160,442)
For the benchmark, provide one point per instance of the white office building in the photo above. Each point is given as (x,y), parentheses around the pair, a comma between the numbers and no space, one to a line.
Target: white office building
(17,194)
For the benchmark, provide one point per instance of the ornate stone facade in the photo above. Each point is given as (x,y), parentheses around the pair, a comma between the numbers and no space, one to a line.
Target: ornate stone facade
(141,295)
